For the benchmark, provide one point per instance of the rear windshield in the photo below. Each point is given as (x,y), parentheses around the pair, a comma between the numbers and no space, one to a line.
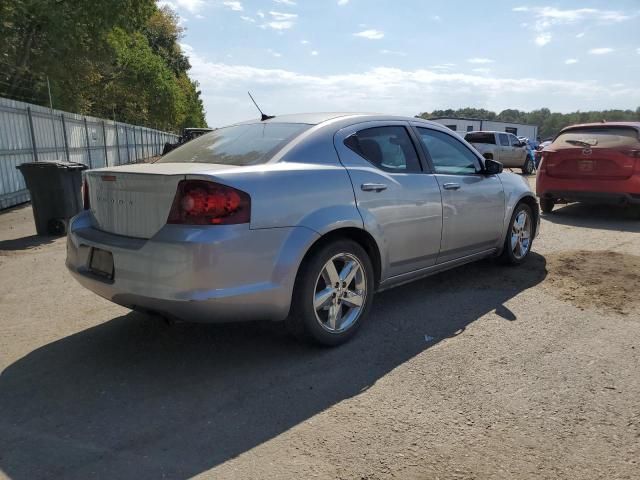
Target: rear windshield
(480,137)
(602,137)
(250,144)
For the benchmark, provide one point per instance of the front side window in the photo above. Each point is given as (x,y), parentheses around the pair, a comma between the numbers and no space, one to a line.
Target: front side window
(389,148)
(448,154)
(514,141)
(504,139)
(247,144)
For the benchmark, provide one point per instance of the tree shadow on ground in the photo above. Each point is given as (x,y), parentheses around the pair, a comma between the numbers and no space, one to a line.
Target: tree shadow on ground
(603,217)
(135,398)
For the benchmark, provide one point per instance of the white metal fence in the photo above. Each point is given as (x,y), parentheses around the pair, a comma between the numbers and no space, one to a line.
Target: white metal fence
(31,133)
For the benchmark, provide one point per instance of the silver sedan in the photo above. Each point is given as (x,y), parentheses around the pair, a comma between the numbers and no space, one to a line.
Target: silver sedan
(300,218)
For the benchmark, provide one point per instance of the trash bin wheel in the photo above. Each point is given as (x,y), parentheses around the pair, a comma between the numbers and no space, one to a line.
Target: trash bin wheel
(57,226)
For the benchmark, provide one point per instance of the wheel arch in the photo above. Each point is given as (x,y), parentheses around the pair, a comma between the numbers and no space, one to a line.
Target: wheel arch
(358,235)
(535,208)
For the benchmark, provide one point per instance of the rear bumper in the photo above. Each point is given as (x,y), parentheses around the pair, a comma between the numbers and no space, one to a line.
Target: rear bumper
(205,274)
(626,191)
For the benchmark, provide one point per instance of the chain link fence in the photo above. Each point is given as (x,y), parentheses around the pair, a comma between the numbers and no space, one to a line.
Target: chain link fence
(31,133)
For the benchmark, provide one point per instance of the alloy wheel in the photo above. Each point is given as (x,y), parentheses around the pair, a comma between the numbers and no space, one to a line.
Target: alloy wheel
(340,293)
(521,235)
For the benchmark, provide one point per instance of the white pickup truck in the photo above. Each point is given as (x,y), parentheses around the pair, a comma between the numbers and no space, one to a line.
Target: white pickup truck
(503,147)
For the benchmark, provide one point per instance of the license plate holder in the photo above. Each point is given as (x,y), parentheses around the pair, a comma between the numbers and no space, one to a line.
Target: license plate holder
(101,263)
(586,165)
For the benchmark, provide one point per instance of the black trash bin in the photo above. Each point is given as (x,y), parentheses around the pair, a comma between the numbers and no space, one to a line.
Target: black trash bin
(55,193)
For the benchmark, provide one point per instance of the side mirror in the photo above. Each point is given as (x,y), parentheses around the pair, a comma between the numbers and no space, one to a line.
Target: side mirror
(492,167)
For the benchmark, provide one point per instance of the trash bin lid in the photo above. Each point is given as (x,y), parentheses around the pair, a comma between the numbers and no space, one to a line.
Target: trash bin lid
(63,165)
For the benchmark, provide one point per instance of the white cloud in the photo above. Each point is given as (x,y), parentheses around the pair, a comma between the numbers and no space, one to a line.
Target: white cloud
(542,39)
(274,53)
(370,34)
(314,53)
(304,42)
(199,17)
(638,51)
(571,61)
(260,13)
(547,17)
(389,90)
(342,2)
(234,5)
(436,18)
(247,19)
(479,60)
(291,3)
(600,51)
(484,71)
(443,66)
(192,6)
(280,21)
(393,52)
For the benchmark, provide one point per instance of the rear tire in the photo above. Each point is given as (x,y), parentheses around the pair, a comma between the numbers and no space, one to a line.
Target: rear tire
(547,204)
(517,244)
(326,309)
(529,167)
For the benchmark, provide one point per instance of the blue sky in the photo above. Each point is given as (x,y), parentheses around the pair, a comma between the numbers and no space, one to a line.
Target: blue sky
(409,56)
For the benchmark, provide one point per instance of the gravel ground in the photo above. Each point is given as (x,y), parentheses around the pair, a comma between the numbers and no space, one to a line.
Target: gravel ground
(481,372)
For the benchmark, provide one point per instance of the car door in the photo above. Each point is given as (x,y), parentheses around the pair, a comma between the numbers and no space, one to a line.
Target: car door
(506,151)
(473,203)
(518,151)
(400,203)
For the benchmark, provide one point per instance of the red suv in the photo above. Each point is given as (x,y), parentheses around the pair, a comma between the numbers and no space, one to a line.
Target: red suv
(593,162)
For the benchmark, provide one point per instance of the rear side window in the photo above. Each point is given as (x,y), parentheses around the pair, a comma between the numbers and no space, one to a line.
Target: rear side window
(599,137)
(250,144)
(389,148)
(504,139)
(448,154)
(480,137)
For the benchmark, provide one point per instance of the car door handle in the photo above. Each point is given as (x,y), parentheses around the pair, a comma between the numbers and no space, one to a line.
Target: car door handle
(373,187)
(451,186)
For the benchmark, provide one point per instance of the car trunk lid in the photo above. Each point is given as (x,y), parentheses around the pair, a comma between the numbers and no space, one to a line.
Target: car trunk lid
(135,200)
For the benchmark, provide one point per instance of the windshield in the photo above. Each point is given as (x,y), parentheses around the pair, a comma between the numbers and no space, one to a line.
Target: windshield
(480,137)
(602,137)
(240,145)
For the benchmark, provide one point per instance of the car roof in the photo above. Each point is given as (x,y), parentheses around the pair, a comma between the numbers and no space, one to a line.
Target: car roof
(490,131)
(322,117)
(635,125)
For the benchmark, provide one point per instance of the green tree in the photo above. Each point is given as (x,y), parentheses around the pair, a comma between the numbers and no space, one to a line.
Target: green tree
(549,123)
(102,58)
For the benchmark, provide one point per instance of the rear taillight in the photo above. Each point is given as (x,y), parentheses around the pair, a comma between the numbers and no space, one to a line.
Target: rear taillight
(198,202)
(85,195)
(544,159)
(634,153)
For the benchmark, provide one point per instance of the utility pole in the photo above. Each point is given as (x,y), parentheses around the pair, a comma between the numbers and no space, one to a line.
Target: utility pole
(53,122)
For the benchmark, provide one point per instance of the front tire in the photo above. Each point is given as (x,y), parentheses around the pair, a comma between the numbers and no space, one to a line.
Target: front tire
(333,294)
(517,244)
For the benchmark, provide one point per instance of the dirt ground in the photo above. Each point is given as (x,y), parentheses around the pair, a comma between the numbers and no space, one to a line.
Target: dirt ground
(481,372)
